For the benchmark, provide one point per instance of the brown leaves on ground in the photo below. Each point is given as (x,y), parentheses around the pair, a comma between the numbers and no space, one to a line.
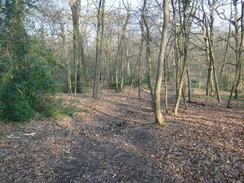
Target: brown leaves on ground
(115,140)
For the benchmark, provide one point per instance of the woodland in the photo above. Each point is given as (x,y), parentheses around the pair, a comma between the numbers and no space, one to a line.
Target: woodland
(121,91)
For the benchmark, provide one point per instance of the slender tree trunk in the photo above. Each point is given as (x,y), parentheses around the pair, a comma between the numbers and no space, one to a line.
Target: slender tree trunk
(226,48)
(166,84)
(75,8)
(184,96)
(121,46)
(237,91)
(185,30)
(209,77)
(233,89)
(177,103)
(116,66)
(239,50)
(189,85)
(214,74)
(211,52)
(148,51)
(140,68)
(149,65)
(158,85)
(122,60)
(176,43)
(65,56)
(83,62)
(99,47)
(209,37)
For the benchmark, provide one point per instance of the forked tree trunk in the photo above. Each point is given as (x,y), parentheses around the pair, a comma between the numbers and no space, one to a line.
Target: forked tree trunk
(185,30)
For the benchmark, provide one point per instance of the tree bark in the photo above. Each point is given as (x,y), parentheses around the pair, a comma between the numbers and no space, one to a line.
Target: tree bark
(99,47)
(121,42)
(158,85)
(185,31)
(148,51)
(189,85)
(140,68)
(239,50)
(65,56)
(166,84)
(75,8)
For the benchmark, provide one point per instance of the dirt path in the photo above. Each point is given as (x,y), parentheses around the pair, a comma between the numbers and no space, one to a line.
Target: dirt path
(113,140)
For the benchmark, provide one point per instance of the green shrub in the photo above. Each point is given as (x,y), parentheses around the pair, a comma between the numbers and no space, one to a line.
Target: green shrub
(21,111)
(25,91)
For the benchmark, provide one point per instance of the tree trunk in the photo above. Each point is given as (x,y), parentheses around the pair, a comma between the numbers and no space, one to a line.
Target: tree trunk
(166,84)
(99,47)
(185,30)
(214,73)
(209,77)
(121,41)
(189,85)
(176,43)
(65,56)
(184,97)
(158,85)
(239,50)
(75,8)
(148,51)
(226,48)
(140,68)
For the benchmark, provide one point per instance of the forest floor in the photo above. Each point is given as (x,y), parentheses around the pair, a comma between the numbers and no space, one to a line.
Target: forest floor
(114,140)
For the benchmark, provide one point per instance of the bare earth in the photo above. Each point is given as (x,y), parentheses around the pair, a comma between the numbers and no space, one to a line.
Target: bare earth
(115,140)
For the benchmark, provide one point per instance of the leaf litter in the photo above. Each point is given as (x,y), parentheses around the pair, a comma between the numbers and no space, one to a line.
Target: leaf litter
(116,141)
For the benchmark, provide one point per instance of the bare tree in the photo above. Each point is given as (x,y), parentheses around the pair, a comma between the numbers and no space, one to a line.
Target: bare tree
(121,51)
(238,49)
(99,46)
(147,37)
(158,84)
(75,8)
(182,48)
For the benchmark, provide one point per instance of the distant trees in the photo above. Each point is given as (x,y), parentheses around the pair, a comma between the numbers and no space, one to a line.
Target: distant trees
(95,43)
(121,52)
